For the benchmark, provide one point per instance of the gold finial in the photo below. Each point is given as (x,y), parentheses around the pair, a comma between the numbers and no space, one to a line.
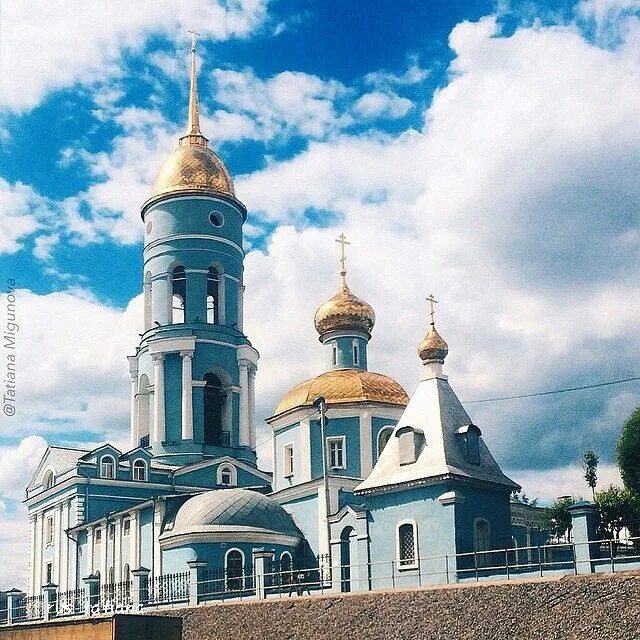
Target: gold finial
(193,137)
(431,300)
(342,241)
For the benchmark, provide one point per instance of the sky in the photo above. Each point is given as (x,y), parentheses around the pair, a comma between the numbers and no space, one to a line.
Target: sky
(485,152)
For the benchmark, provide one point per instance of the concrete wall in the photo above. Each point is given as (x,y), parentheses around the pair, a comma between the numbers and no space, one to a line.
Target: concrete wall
(563,609)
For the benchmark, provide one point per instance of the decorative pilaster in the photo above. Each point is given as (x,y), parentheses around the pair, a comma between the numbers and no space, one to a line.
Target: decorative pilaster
(187,395)
(159,509)
(90,549)
(117,550)
(158,398)
(38,554)
(245,424)
(57,541)
(32,554)
(134,556)
(252,407)
(241,307)
(134,425)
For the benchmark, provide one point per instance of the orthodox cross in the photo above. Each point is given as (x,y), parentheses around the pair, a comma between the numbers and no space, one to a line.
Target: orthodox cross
(431,300)
(342,241)
(193,33)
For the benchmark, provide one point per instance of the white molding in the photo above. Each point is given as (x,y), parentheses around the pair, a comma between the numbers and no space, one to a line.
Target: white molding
(366,450)
(189,236)
(343,441)
(234,474)
(415,564)
(221,460)
(344,410)
(159,346)
(171,539)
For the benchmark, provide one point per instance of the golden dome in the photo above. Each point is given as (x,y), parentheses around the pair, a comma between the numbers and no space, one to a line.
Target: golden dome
(344,311)
(340,386)
(433,348)
(193,168)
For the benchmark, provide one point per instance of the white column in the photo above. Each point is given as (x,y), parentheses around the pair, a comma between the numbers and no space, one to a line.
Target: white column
(158,398)
(32,555)
(323,533)
(366,453)
(187,395)
(104,564)
(90,552)
(135,424)
(161,301)
(134,562)
(38,554)
(64,565)
(252,407)
(158,517)
(245,425)
(57,541)
(117,551)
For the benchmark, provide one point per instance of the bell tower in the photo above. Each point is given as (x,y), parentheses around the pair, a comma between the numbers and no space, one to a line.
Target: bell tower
(192,377)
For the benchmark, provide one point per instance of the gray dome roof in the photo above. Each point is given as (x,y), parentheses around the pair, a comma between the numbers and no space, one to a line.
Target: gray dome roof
(229,511)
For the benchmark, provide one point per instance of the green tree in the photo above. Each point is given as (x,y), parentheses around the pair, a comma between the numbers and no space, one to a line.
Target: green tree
(590,461)
(628,452)
(558,518)
(617,508)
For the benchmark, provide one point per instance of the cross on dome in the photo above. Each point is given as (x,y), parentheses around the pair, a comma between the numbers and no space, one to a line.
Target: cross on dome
(342,241)
(431,299)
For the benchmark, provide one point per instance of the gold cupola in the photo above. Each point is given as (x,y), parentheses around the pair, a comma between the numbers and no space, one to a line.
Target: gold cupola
(192,167)
(433,348)
(344,311)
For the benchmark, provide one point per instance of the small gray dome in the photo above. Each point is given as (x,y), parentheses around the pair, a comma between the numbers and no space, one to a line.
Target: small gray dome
(234,509)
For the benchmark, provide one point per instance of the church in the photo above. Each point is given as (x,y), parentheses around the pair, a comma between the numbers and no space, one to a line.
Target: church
(368,484)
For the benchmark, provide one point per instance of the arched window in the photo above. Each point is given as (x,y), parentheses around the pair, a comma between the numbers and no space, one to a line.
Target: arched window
(107,467)
(334,354)
(213,316)
(286,568)
(48,480)
(214,404)
(178,295)
(407,544)
(346,537)
(356,353)
(383,437)
(481,536)
(227,475)
(140,470)
(144,410)
(234,569)
(126,579)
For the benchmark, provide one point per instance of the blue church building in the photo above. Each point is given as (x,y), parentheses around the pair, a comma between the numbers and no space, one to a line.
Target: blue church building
(385,481)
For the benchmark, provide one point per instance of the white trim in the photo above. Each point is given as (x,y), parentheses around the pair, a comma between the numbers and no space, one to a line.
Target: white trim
(400,565)
(170,540)
(226,466)
(345,410)
(190,236)
(49,470)
(237,463)
(133,470)
(114,470)
(343,442)
(310,489)
(389,428)
(366,453)
(288,470)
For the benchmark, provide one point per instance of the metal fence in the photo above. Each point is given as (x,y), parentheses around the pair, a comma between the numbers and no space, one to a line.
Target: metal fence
(287,577)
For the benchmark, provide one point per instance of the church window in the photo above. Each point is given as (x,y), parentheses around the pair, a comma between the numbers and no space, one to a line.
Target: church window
(286,568)
(213,283)
(482,542)
(49,572)
(227,475)
(216,218)
(407,542)
(178,295)
(140,470)
(126,527)
(48,481)
(49,530)
(98,536)
(149,227)
(470,439)
(112,531)
(111,575)
(410,444)
(107,467)
(288,460)
(215,399)
(336,450)
(234,569)
(356,353)
(334,354)
(384,436)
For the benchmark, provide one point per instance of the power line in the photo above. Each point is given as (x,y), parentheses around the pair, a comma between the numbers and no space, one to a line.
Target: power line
(554,391)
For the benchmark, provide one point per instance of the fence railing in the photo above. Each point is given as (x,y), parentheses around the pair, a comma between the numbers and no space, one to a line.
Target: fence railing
(286,577)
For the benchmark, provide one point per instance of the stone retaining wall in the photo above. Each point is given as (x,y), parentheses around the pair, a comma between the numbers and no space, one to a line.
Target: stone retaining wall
(595,607)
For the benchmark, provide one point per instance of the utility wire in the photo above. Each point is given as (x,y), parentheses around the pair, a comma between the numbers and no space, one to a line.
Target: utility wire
(554,391)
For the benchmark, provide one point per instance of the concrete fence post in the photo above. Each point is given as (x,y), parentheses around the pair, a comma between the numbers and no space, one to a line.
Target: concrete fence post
(49,601)
(140,595)
(91,592)
(196,575)
(14,598)
(261,559)
(584,528)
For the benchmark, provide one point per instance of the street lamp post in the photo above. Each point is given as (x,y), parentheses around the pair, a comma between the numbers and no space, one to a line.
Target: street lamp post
(321,404)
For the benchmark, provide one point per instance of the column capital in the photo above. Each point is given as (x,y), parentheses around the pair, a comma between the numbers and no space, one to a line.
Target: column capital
(186,354)
(157,357)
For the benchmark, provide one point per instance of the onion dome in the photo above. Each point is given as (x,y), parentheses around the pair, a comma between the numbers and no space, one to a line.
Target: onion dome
(193,166)
(344,311)
(341,386)
(433,348)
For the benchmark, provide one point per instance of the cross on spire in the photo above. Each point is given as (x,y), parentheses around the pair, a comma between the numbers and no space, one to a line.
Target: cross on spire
(342,241)
(432,301)
(194,34)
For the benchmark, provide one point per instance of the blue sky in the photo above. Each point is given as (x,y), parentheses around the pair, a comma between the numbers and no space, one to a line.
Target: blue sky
(487,152)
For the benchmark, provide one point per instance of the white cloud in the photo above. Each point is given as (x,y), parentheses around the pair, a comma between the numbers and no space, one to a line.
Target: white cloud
(84,39)
(414,74)
(382,105)
(21,209)
(17,465)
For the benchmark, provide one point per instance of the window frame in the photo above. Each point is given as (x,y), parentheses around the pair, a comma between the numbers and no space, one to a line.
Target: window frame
(233,480)
(356,353)
(139,463)
(241,577)
(288,460)
(402,563)
(48,479)
(385,429)
(108,456)
(342,441)
(48,572)
(334,354)
(126,527)
(97,536)
(49,530)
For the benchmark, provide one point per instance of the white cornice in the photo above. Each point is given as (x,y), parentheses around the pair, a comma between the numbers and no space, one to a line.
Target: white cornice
(214,533)
(190,236)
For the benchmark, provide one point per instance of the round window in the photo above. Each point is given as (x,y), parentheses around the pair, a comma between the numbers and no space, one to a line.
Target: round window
(149,227)
(216,218)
